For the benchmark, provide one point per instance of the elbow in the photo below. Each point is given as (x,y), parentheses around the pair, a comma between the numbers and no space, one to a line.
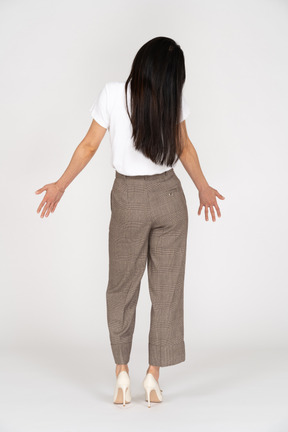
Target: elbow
(88,147)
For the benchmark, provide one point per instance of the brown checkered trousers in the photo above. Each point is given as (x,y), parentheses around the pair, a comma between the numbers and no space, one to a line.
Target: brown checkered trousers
(149,223)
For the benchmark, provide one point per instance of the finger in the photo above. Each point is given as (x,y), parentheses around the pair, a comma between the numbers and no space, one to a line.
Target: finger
(219,195)
(41,205)
(44,210)
(200,208)
(53,207)
(48,210)
(217,209)
(206,212)
(40,190)
(212,213)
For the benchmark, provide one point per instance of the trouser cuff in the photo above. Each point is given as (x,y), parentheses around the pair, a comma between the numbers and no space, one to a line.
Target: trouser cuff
(121,352)
(166,355)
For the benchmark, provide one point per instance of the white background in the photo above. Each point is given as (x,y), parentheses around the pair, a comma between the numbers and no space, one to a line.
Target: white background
(55,58)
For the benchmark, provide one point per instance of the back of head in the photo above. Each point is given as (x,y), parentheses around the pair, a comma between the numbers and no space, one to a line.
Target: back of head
(156,81)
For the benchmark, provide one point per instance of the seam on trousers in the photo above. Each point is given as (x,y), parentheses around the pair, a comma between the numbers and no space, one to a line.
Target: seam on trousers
(165,345)
(121,343)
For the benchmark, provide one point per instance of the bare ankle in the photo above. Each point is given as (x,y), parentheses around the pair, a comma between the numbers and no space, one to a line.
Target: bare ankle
(154,370)
(121,367)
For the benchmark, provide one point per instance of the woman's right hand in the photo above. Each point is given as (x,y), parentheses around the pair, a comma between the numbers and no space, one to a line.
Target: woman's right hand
(51,198)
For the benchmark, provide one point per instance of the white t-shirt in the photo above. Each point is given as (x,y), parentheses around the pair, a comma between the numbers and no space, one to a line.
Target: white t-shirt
(109,110)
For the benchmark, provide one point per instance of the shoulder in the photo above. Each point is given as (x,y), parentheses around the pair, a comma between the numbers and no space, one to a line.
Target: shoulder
(114,87)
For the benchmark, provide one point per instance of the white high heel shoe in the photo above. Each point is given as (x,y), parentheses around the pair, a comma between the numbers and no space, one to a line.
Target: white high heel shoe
(122,391)
(152,389)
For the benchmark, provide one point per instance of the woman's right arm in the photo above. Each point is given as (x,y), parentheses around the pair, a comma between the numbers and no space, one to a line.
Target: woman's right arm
(80,158)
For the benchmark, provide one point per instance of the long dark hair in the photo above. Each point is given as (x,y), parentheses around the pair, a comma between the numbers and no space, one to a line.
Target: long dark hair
(156,81)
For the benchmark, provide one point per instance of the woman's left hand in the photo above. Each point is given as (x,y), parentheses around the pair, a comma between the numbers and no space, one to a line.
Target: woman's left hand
(207,198)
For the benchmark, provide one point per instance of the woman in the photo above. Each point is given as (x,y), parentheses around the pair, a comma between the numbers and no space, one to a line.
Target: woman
(145,117)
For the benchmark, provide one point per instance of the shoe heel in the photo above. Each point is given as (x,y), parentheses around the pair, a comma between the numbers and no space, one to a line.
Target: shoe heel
(124,394)
(150,384)
(148,391)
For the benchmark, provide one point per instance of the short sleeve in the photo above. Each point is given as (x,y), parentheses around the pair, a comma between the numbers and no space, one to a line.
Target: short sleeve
(185,110)
(100,108)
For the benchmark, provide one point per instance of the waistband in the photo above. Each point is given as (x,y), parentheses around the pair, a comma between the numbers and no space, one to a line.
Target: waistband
(165,175)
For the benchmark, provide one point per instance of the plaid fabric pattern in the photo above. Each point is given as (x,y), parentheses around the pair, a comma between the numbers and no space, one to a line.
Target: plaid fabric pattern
(148,225)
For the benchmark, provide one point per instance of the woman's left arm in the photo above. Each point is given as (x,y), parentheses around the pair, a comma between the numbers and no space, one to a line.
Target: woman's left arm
(190,161)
